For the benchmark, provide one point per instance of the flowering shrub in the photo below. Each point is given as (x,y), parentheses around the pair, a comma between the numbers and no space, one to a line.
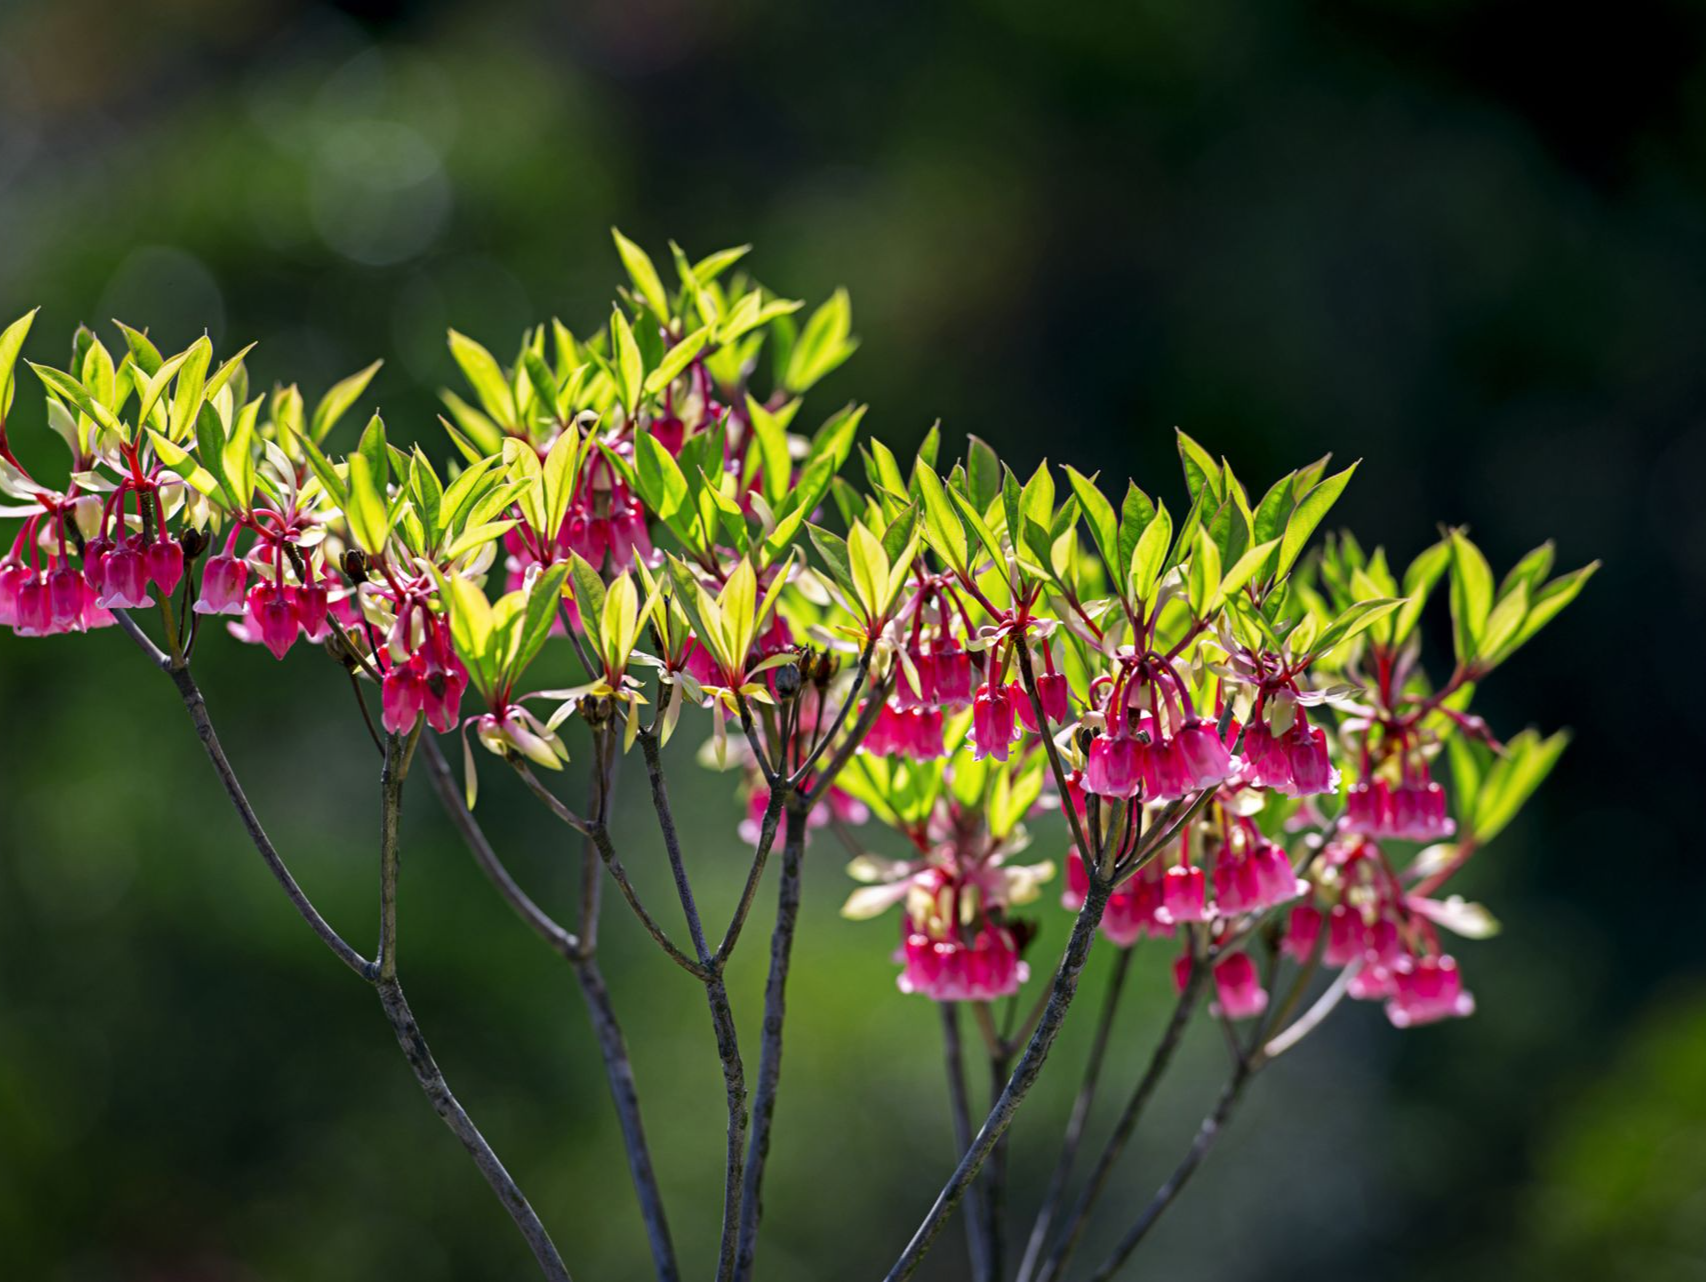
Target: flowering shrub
(1250,758)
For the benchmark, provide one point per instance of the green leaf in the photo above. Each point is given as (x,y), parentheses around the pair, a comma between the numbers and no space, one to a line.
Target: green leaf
(1502,623)
(336,402)
(1419,580)
(11,343)
(771,429)
(823,345)
(1104,527)
(983,473)
(1513,779)
(1471,595)
(662,483)
(943,528)
(366,509)
(630,365)
(1135,515)
(322,468)
(643,274)
(1150,554)
(372,447)
(1202,576)
(675,360)
(1201,471)
(1307,515)
(1546,604)
(869,566)
(192,379)
(1362,615)
(486,377)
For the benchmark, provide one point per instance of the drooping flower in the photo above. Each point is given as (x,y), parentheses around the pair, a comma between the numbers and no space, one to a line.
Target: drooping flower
(124,578)
(223,580)
(1184,894)
(271,620)
(1302,932)
(1237,987)
(164,561)
(1427,989)
(1413,811)
(993,726)
(951,970)
(1114,766)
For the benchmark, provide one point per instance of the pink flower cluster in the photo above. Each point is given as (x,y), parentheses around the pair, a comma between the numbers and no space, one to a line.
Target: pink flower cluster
(1413,811)
(952,969)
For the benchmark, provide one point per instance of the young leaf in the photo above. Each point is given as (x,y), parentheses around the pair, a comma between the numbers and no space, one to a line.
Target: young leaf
(643,274)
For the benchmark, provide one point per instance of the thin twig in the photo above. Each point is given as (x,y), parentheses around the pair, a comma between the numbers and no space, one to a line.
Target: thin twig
(760,856)
(444,1103)
(822,740)
(1079,1117)
(562,941)
(197,708)
(722,1017)
(1210,1130)
(954,1061)
(1019,1084)
(1055,1264)
(618,1069)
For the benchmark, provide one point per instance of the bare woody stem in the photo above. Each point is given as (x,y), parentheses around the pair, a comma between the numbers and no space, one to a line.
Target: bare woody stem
(618,1068)
(1079,1117)
(722,1016)
(196,706)
(1162,1058)
(599,835)
(1019,1084)
(770,1049)
(954,1061)
(391,998)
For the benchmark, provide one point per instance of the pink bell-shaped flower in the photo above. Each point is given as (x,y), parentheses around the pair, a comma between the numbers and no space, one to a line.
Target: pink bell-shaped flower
(223,580)
(1302,932)
(403,696)
(1312,770)
(35,608)
(1184,894)
(124,579)
(271,619)
(164,561)
(993,723)
(1201,755)
(956,675)
(1237,987)
(1427,989)
(68,596)
(1114,766)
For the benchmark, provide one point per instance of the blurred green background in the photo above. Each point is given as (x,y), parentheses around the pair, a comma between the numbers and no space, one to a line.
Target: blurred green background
(1466,241)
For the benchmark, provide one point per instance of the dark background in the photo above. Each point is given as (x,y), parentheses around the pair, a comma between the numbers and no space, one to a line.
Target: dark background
(1464,241)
